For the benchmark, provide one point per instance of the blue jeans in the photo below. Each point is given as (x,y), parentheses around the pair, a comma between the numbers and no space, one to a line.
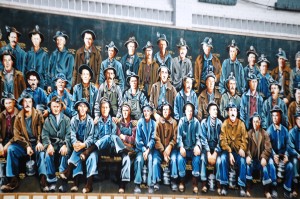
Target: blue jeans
(138,167)
(51,167)
(288,174)
(181,161)
(204,163)
(255,165)
(296,167)
(241,163)
(15,152)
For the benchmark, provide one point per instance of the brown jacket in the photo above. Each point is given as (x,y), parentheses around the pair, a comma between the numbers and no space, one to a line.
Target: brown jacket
(170,94)
(260,148)
(291,112)
(203,102)
(198,70)
(165,134)
(286,73)
(95,62)
(20,132)
(19,83)
(153,76)
(3,123)
(233,136)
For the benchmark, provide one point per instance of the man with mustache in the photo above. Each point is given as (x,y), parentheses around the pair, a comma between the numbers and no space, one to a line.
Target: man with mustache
(233,142)
(13,36)
(111,61)
(207,95)
(112,92)
(61,61)
(26,142)
(7,118)
(187,94)
(230,95)
(181,65)
(270,103)
(201,65)
(11,80)
(37,58)
(89,55)
(56,140)
(163,56)
(39,95)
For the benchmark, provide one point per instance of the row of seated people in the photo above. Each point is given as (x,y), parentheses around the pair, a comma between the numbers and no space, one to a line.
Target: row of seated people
(81,139)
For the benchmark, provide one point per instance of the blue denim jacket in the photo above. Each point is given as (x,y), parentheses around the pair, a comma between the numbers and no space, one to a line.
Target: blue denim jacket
(19,53)
(189,133)
(246,73)
(135,66)
(144,138)
(263,85)
(39,96)
(179,103)
(102,129)
(68,100)
(279,140)
(88,133)
(294,142)
(167,61)
(208,142)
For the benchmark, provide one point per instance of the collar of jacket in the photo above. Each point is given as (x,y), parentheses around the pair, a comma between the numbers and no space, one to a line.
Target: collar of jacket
(21,116)
(209,57)
(236,61)
(183,61)
(249,94)
(168,85)
(217,95)
(163,120)
(93,49)
(167,56)
(235,123)
(113,86)
(13,115)
(145,62)
(230,96)
(11,72)
(274,127)
(37,52)
(185,120)
(108,121)
(64,50)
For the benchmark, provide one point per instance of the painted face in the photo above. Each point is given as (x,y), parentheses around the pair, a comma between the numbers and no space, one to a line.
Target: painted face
(147,114)
(232,112)
(33,82)
(55,108)
(164,74)
(281,62)
(60,43)
(263,68)
(213,111)
(162,45)
(7,63)
(9,105)
(111,52)
(210,83)
(85,76)
(189,112)
(148,52)
(206,49)
(232,86)
(133,82)
(13,39)
(166,111)
(251,59)
(27,104)
(274,90)
(60,84)
(131,48)
(233,53)
(105,109)
(182,52)
(298,62)
(36,40)
(253,85)
(109,74)
(187,85)
(276,118)
(256,123)
(88,40)
(126,112)
(82,109)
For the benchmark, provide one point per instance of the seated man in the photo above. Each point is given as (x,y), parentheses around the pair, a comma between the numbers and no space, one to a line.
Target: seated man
(144,147)
(86,89)
(186,94)
(294,152)
(233,141)
(134,97)
(26,141)
(210,137)
(82,132)
(258,154)
(279,137)
(39,95)
(57,142)
(189,146)
(109,143)
(165,141)
(112,92)
(7,118)
(61,82)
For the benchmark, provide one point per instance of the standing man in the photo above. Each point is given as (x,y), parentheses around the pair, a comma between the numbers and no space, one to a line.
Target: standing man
(145,143)
(148,70)
(7,118)
(251,68)
(56,138)
(251,101)
(111,61)
(264,77)
(163,56)
(210,140)
(89,55)
(162,91)
(37,59)
(11,80)
(61,61)
(282,75)
(181,65)
(112,92)
(130,61)
(279,137)
(189,146)
(202,63)
(13,36)
(208,95)
(232,65)
(26,141)
(233,141)
(295,75)
(258,154)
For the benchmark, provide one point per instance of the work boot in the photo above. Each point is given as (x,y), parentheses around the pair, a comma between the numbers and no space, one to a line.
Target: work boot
(122,187)
(43,183)
(74,186)
(248,188)
(174,186)
(224,190)
(89,185)
(181,184)
(195,184)
(137,188)
(66,173)
(204,187)
(242,191)
(274,192)
(12,185)
(267,191)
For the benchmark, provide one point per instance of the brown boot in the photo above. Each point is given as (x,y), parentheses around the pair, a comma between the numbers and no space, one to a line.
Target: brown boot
(195,184)
(44,184)
(248,188)
(66,173)
(181,186)
(204,187)
(122,187)
(74,187)
(89,185)
(12,185)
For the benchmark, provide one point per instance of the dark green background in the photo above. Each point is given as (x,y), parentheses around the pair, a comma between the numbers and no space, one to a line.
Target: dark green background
(118,32)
